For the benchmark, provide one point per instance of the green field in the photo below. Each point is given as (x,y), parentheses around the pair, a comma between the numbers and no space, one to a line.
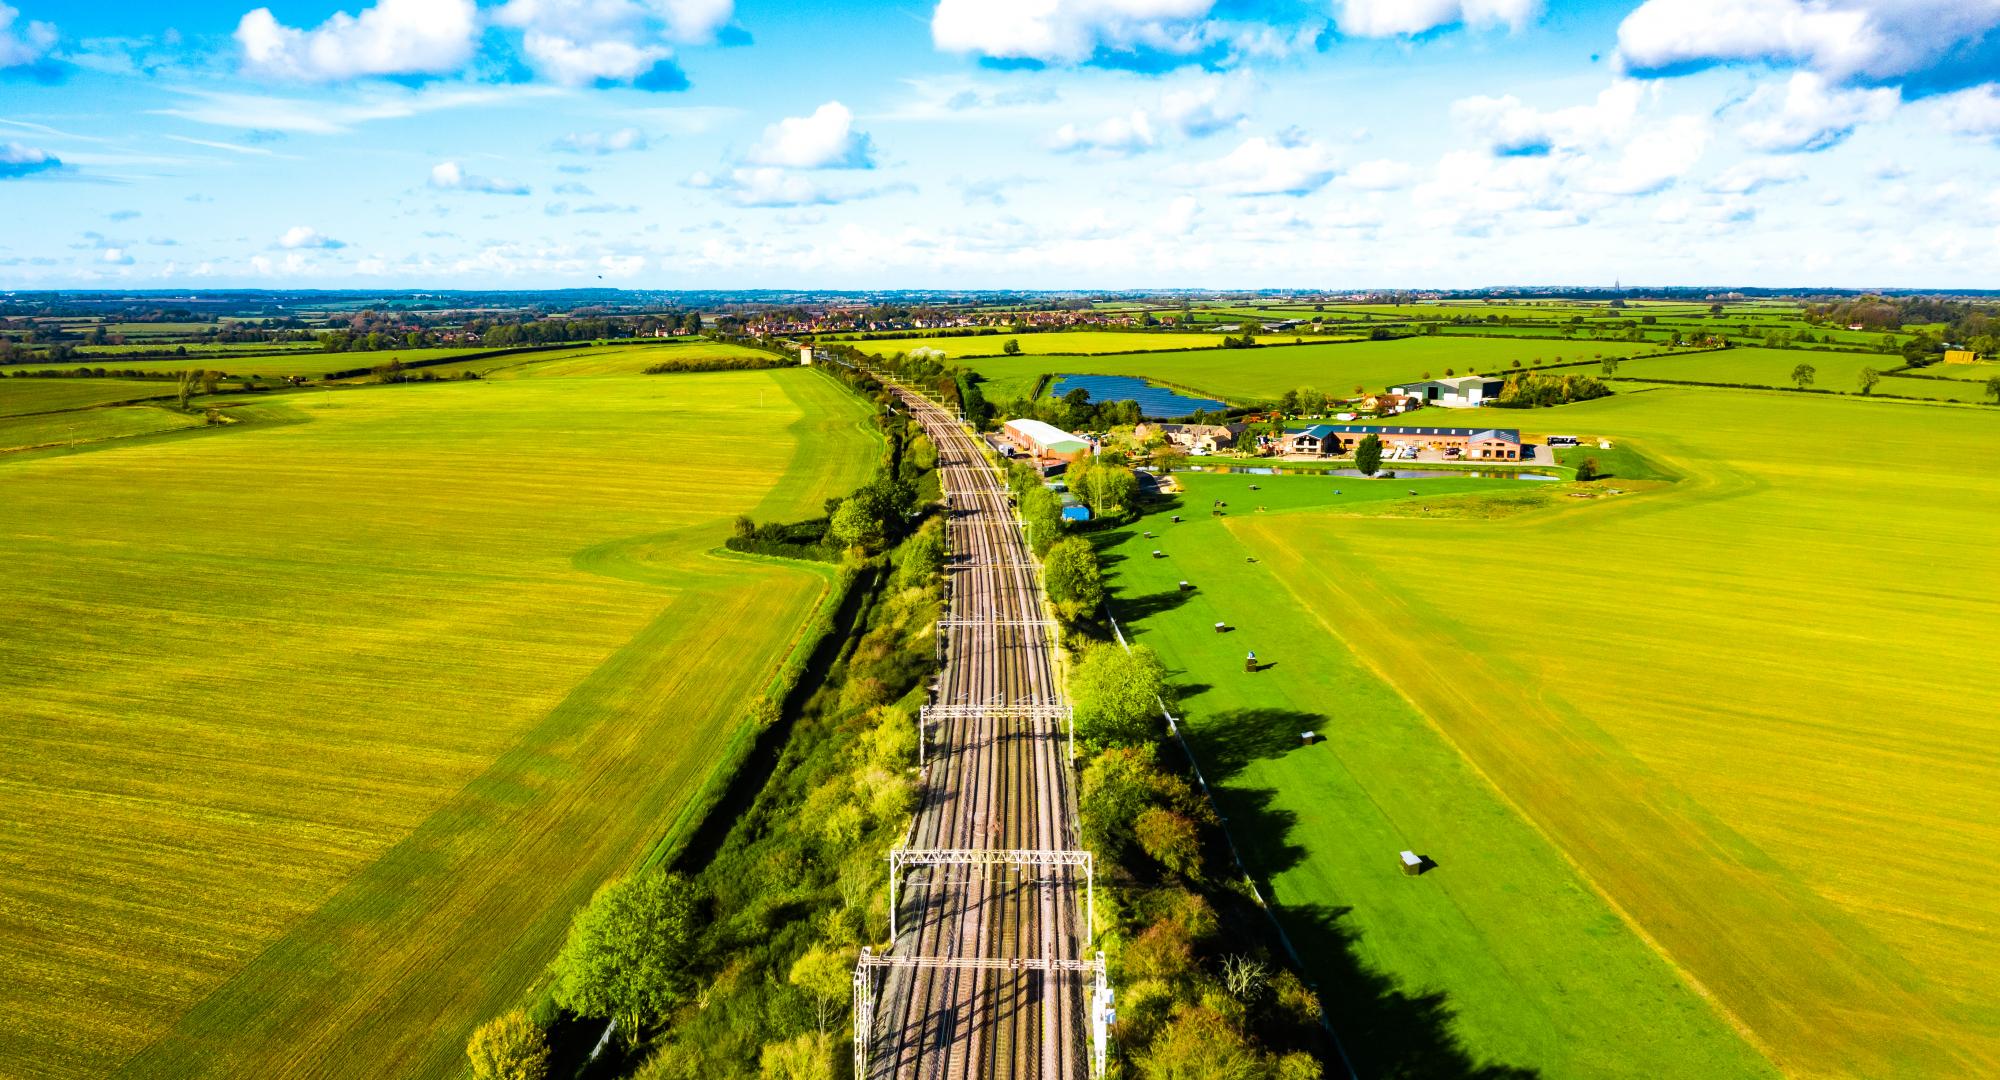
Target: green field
(1535,970)
(1266,373)
(1043,344)
(1764,738)
(617,359)
(1839,371)
(19,397)
(320,726)
(88,426)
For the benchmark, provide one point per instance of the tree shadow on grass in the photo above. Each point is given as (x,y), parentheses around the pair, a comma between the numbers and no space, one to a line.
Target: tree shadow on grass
(1137,609)
(1385,1029)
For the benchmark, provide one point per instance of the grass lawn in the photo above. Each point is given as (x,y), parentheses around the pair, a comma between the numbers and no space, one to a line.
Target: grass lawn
(1743,705)
(18,397)
(1499,958)
(317,732)
(1265,374)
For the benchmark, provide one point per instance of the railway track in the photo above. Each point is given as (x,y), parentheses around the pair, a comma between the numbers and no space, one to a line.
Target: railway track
(989,972)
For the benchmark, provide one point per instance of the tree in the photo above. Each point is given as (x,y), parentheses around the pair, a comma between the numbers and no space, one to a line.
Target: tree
(629,952)
(1103,485)
(1201,1044)
(1074,581)
(808,1056)
(1368,455)
(1993,389)
(1868,378)
(509,1047)
(1609,366)
(826,974)
(1802,375)
(1118,694)
(1012,347)
(1170,839)
(853,526)
(1587,470)
(924,555)
(185,388)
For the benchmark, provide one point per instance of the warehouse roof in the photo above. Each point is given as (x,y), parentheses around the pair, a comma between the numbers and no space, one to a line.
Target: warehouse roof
(1047,436)
(1321,431)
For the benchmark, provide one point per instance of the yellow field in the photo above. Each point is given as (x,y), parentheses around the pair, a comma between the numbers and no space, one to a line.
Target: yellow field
(1753,708)
(319,728)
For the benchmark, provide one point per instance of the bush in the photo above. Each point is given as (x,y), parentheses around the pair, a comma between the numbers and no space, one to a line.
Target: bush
(509,1047)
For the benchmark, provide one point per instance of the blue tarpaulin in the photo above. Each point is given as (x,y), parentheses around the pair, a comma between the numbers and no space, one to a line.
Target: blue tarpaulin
(1076,513)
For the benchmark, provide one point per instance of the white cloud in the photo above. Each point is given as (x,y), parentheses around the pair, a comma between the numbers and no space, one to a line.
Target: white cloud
(1260,166)
(1919,41)
(1117,136)
(1749,176)
(1068,31)
(1379,175)
(769,186)
(824,140)
(1513,128)
(305,236)
(582,42)
(395,37)
(1205,109)
(622,266)
(1663,152)
(26,46)
(17,160)
(1973,112)
(332,117)
(449,176)
(565,60)
(603,142)
(1392,18)
(1808,114)
(115,257)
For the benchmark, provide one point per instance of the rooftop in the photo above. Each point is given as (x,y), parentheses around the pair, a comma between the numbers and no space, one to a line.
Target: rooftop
(1046,436)
(1321,431)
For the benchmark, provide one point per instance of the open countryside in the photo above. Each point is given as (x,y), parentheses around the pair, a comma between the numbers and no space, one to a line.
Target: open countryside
(276,728)
(1145,540)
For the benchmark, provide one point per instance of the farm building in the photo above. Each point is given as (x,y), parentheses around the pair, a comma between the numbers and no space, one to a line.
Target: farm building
(1487,444)
(1203,437)
(1045,440)
(1960,356)
(1390,404)
(1464,392)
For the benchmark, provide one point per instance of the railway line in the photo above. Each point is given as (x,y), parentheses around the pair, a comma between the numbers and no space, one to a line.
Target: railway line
(989,972)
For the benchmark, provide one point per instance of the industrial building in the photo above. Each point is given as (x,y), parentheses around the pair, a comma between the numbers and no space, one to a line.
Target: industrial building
(1464,392)
(1486,444)
(1045,440)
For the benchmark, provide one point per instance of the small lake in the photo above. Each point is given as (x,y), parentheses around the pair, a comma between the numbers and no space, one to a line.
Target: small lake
(1157,402)
(1356,474)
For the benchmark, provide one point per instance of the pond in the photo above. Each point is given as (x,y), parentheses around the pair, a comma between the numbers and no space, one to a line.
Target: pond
(1386,474)
(1157,402)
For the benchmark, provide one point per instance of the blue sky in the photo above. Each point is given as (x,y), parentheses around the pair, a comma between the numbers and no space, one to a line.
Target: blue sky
(974,143)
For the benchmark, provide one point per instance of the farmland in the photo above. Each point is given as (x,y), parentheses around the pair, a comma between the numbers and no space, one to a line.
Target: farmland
(256,826)
(19,397)
(1266,373)
(1042,344)
(1674,692)
(1535,970)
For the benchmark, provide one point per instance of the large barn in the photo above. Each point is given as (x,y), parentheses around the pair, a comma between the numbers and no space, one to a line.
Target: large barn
(1045,440)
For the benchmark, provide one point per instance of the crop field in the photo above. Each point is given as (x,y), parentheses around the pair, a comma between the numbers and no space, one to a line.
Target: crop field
(88,426)
(1043,344)
(1773,367)
(255,826)
(313,363)
(1528,967)
(1266,373)
(1751,723)
(617,359)
(195,349)
(19,397)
